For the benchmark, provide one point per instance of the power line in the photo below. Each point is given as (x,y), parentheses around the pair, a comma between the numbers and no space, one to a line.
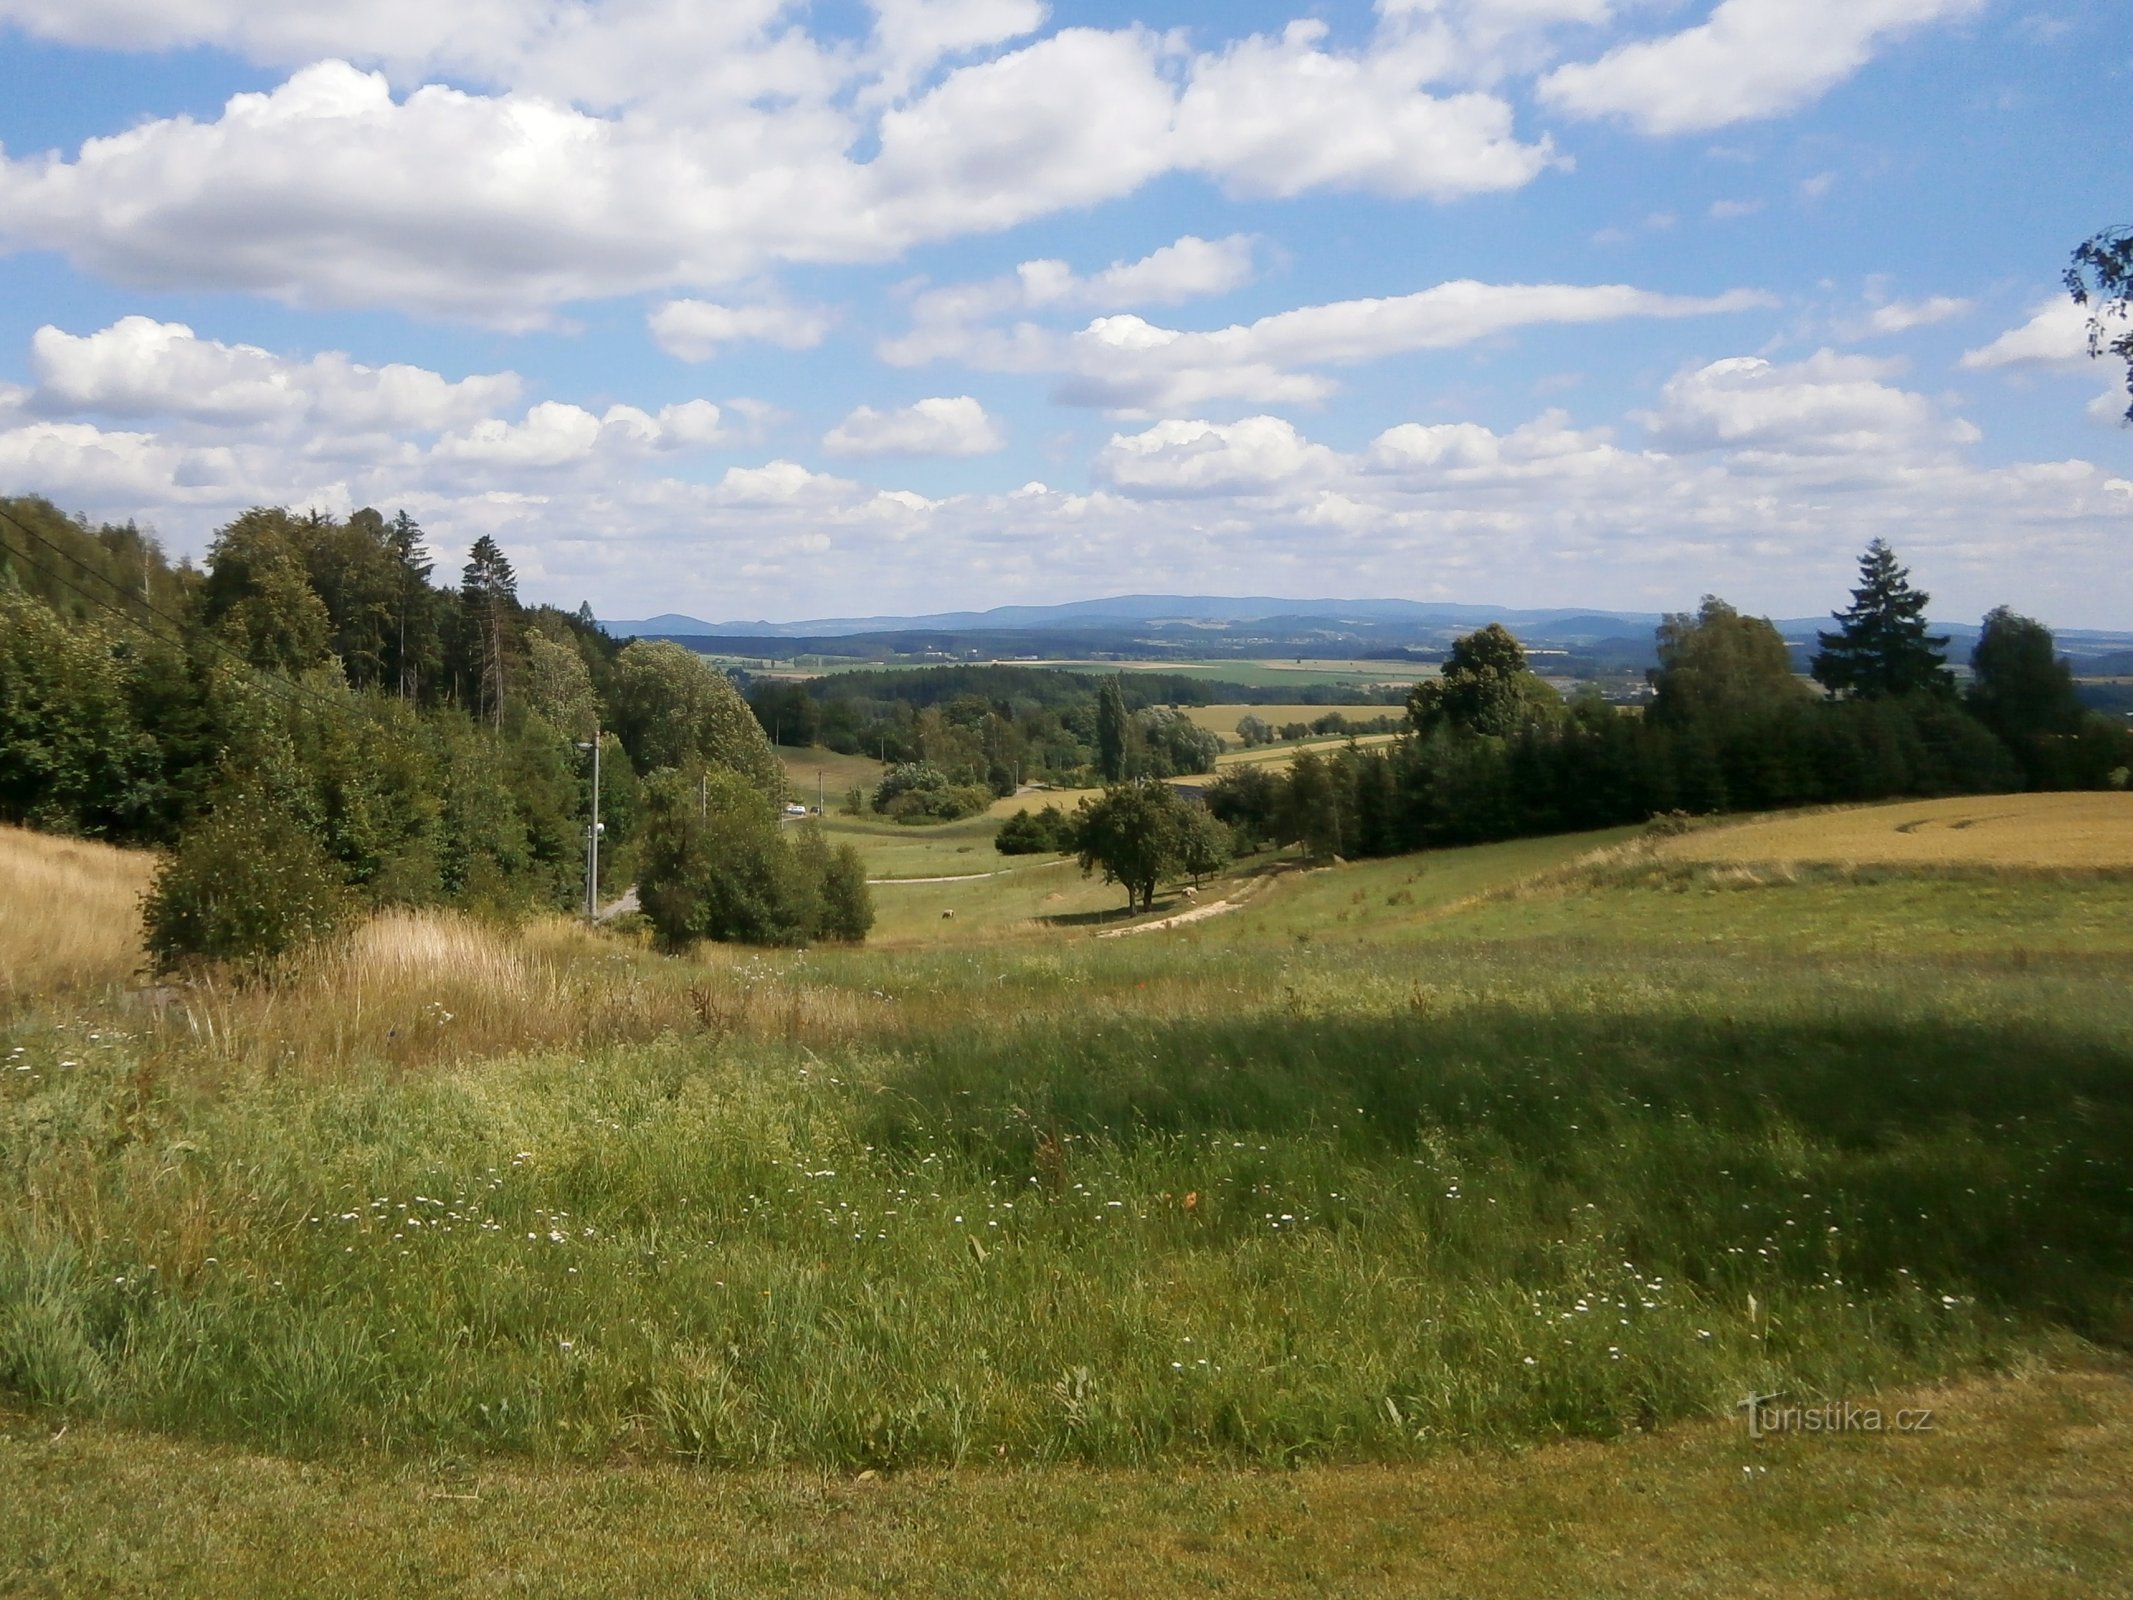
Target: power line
(265,676)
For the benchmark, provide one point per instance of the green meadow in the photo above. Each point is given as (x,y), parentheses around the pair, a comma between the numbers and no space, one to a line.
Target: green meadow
(1556,1145)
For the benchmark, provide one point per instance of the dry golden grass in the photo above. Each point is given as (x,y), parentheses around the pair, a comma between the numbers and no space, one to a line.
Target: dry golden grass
(2065,831)
(70,920)
(423,987)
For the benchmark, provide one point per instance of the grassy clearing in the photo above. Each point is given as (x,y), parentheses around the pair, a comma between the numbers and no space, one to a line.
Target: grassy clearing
(933,850)
(1029,897)
(71,922)
(1037,800)
(837,775)
(2020,1490)
(2075,831)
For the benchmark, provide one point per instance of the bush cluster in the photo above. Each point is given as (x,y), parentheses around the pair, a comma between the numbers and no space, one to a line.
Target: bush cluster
(1036,833)
(719,864)
(919,791)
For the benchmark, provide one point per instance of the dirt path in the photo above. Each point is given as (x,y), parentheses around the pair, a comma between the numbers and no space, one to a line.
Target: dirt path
(1214,908)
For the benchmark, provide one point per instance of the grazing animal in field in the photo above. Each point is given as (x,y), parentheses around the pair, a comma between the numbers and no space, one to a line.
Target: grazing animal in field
(1190,894)
(948,916)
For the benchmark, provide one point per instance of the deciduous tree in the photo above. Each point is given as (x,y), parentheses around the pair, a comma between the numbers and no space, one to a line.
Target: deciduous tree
(1720,668)
(2101,278)
(1483,688)
(1134,835)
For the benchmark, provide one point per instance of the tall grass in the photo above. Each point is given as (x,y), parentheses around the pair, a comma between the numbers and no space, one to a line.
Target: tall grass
(1246,1199)
(71,925)
(1333,1177)
(426,988)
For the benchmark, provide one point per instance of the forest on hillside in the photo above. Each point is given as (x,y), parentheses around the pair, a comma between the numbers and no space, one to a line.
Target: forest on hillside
(313,726)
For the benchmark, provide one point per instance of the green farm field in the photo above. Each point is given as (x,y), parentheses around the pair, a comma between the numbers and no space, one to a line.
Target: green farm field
(1336,1242)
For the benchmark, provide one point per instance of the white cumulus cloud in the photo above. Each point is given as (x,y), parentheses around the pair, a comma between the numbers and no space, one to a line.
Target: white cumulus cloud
(557,434)
(1127,363)
(1208,458)
(1279,116)
(944,426)
(1749,59)
(138,367)
(622,149)
(1827,405)
(695,330)
(2056,335)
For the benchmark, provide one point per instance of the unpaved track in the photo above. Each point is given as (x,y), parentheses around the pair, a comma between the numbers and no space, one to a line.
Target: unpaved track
(1214,908)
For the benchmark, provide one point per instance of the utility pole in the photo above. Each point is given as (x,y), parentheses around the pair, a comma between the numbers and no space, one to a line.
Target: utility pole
(592,836)
(818,791)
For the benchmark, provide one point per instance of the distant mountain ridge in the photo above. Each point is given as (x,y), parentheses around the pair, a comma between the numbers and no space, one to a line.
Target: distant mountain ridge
(1141,610)
(1164,625)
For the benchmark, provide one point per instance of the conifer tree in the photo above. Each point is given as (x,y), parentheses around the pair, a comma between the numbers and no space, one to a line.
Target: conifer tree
(488,591)
(412,560)
(1881,647)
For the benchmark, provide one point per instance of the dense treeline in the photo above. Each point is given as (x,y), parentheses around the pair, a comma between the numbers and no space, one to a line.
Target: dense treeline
(313,726)
(1494,752)
(987,724)
(955,737)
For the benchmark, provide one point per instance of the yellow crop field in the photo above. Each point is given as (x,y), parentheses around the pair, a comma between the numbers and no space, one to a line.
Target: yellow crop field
(72,913)
(2019,830)
(1224,719)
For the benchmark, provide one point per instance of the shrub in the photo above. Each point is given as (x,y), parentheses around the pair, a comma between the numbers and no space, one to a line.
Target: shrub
(918,791)
(1036,833)
(716,865)
(847,905)
(247,885)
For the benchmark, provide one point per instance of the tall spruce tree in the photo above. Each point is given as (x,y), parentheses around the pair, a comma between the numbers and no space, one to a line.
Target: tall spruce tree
(488,590)
(415,643)
(1881,648)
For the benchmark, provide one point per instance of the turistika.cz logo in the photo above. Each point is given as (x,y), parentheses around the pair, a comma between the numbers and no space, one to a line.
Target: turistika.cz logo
(1767,1417)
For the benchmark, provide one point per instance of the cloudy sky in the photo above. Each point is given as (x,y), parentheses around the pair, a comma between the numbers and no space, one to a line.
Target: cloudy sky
(757,309)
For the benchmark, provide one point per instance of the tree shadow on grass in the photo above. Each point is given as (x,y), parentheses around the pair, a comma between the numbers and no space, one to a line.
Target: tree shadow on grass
(1992,1155)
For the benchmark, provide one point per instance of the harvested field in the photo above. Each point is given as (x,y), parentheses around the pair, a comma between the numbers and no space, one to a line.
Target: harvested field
(2066,831)
(1223,719)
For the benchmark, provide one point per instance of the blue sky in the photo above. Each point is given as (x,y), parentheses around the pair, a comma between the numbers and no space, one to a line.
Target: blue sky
(774,310)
